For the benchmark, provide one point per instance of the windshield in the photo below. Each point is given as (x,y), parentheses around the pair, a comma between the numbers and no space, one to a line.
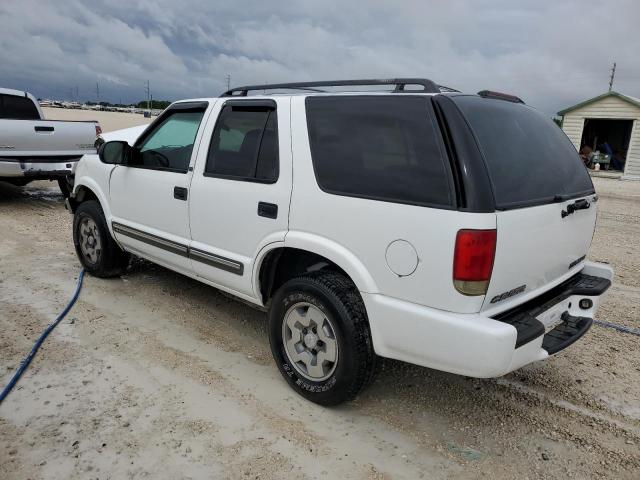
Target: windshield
(529,158)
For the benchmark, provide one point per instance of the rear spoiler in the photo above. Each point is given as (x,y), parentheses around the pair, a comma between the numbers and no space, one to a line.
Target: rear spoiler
(500,96)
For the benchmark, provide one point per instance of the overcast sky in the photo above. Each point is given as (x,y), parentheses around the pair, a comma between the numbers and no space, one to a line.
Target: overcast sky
(550,53)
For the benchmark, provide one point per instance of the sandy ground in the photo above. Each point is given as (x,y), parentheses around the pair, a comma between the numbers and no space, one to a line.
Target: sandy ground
(154,375)
(109,121)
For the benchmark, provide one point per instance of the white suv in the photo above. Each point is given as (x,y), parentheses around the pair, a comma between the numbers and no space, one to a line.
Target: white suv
(421,224)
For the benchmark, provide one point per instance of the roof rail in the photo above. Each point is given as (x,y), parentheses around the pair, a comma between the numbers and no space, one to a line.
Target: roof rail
(500,96)
(445,89)
(398,83)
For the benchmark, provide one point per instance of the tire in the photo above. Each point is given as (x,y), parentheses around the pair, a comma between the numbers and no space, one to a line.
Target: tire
(66,185)
(97,251)
(332,300)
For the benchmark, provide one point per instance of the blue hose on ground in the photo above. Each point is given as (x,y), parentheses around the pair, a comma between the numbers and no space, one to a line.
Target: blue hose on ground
(620,328)
(27,360)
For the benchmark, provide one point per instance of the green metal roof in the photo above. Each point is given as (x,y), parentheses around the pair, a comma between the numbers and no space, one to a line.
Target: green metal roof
(626,98)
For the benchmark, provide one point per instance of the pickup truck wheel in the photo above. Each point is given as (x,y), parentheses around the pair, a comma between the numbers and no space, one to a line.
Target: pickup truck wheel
(320,337)
(98,252)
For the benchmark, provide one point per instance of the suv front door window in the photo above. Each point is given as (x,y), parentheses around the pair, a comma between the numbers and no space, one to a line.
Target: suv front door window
(170,145)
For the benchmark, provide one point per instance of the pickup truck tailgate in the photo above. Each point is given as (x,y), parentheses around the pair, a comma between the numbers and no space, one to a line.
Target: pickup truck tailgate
(37,138)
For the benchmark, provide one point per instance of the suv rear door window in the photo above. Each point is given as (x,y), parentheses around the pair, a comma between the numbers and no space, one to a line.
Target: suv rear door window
(529,158)
(18,108)
(379,147)
(244,144)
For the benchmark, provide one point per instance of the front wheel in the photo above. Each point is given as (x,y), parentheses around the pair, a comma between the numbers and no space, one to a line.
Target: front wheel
(320,337)
(98,252)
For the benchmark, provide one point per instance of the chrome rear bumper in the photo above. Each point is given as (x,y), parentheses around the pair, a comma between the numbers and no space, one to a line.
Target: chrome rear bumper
(16,169)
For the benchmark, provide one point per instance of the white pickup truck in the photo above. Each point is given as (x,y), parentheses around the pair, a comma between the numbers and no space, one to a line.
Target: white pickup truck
(414,224)
(33,148)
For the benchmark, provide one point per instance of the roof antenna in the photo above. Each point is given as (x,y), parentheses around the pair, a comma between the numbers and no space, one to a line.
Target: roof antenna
(612,76)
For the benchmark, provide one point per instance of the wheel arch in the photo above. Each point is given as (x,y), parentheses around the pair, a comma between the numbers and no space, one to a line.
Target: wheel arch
(302,254)
(88,189)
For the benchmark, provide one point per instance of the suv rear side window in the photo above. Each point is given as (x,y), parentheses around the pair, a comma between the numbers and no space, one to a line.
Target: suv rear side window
(380,147)
(244,144)
(529,158)
(18,108)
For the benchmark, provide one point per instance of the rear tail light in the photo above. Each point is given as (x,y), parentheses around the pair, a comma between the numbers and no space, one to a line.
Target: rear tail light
(98,129)
(473,261)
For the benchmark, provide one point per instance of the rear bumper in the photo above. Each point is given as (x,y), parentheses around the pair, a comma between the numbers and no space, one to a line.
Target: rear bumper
(37,170)
(479,346)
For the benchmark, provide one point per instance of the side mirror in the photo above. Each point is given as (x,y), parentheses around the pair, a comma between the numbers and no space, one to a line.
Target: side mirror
(116,152)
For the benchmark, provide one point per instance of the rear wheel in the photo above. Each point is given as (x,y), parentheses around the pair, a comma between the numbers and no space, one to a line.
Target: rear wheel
(320,337)
(98,252)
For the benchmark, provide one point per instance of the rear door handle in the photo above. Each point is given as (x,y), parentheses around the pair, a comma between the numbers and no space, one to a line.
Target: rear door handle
(268,210)
(581,204)
(180,193)
(43,129)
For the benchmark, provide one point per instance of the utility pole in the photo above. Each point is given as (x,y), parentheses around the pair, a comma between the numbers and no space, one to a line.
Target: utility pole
(613,74)
(98,91)
(228,78)
(148,90)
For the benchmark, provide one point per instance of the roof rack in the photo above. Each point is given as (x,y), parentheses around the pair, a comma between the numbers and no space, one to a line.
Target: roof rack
(500,96)
(398,83)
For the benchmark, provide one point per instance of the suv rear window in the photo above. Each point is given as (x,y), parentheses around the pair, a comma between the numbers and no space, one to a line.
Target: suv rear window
(18,108)
(379,147)
(529,158)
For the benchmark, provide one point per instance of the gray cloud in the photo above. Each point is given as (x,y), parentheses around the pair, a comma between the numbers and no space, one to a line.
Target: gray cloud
(550,53)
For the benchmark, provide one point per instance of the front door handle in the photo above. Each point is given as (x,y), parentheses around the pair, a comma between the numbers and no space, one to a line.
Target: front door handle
(180,193)
(268,210)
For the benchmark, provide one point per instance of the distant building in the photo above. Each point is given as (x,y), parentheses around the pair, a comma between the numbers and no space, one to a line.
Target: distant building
(611,118)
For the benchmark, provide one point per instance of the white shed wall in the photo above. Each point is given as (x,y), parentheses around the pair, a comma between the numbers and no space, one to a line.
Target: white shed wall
(608,108)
